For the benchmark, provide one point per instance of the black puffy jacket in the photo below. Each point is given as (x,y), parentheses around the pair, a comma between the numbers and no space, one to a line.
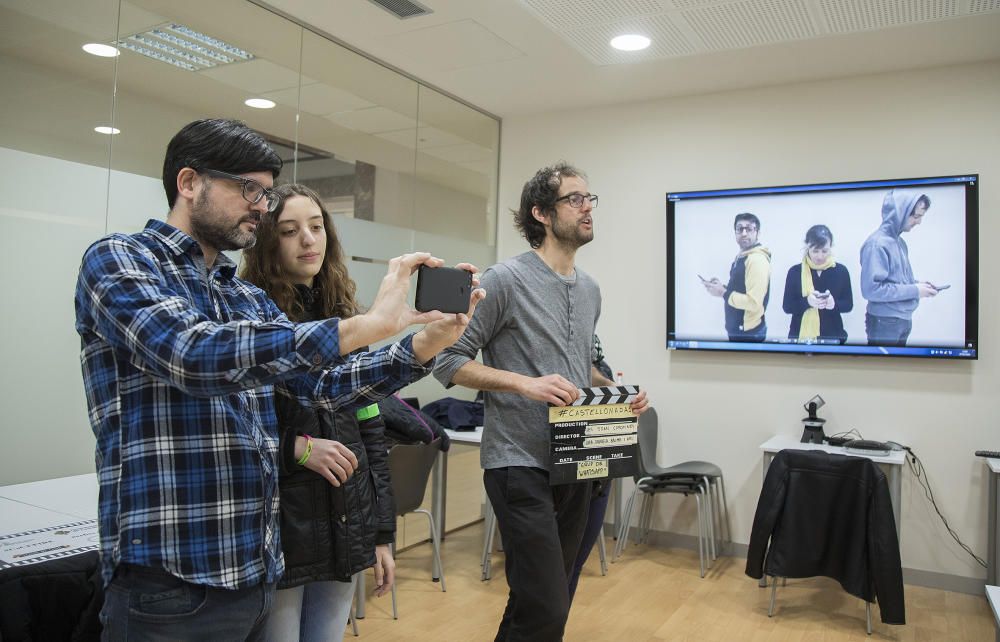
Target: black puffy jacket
(330,533)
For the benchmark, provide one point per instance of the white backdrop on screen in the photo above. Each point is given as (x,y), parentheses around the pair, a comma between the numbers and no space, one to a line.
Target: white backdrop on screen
(704,244)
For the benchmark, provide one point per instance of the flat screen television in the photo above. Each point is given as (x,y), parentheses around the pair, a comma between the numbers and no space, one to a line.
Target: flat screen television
(753,269)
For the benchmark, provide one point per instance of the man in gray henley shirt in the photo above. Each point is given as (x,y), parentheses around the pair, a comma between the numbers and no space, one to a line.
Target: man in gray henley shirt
(535,330)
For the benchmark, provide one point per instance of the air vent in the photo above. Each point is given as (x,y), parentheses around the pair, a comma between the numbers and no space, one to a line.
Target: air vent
(403,9)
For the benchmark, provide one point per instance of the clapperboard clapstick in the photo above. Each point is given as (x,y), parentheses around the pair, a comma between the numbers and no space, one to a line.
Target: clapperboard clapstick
(599,395)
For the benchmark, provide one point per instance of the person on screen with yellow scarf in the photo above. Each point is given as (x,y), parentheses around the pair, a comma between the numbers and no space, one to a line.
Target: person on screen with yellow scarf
(818,292)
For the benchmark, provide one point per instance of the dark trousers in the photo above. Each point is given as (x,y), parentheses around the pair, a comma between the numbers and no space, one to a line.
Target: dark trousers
(144,604)
(595,520)
(887,331)
(541,527)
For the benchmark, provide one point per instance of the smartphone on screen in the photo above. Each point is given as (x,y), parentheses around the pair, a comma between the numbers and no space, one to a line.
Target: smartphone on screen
(940,287)
(445,289)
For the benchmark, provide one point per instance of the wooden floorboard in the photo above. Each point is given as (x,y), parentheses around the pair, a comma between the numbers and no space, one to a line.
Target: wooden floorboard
(653,594)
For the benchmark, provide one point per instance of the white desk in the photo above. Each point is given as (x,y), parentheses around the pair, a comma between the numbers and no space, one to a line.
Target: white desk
(993,554)
(75,496)
(45,505)
(993,597)
(892,464)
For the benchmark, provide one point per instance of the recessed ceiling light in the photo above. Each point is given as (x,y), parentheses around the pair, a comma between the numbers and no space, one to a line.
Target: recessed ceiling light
(110,131)
(630,42)
(104,51)
(259,103)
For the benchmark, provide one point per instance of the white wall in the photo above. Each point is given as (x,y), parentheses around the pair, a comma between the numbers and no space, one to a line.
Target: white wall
(721,407)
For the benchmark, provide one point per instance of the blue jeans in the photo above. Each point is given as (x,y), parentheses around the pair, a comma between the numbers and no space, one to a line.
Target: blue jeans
(887,331)
(313,612)
(143,604)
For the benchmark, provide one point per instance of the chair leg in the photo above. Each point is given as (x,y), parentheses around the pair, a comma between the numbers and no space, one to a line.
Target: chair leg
(602,552)
(625,525)
(717,514)
(436,543)
(725,509)
(707,486)
(701,543)
(490,525)
(868,616)
(649,517)
(774,591)
(395,613)
(643,510)
(353,621)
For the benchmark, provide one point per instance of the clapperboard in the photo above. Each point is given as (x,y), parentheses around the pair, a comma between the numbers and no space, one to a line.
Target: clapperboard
(596,437)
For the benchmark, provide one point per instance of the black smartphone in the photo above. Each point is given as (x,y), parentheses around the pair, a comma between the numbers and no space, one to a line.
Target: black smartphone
(445,289)
(940,287)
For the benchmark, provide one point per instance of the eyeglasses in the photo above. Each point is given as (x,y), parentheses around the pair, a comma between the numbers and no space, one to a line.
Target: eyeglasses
(252,190)
(749,229)
(575,200)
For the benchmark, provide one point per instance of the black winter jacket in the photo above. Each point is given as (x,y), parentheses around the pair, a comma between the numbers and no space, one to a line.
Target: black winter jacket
(330,533)
(829,515)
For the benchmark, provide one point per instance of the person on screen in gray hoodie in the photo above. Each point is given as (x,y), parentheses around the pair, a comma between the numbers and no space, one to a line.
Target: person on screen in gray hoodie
(886,276)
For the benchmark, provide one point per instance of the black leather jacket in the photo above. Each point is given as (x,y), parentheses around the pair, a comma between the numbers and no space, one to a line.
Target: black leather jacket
(330,533)
(831,515)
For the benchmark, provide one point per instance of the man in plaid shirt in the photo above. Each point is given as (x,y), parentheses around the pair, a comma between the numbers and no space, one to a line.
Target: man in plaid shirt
(179,361)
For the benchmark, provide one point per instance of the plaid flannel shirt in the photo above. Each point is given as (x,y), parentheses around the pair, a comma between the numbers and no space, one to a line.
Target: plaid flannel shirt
(179,363)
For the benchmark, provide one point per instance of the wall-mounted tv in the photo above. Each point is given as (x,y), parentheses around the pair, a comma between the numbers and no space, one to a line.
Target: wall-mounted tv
(875,267)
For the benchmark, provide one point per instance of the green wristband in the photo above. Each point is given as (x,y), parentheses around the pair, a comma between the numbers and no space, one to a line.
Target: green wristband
(368,412)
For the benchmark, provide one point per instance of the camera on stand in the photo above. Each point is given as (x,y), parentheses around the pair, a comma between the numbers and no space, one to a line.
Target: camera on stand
(812,426)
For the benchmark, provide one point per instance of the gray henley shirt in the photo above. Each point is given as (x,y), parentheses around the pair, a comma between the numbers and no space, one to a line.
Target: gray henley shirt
(534,322)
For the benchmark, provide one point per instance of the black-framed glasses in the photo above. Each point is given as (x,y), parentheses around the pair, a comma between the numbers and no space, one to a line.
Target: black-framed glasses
(749,229)
(576,199)
(252,190)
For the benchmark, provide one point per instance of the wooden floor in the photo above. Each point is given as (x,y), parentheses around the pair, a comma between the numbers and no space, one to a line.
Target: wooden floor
(656,594)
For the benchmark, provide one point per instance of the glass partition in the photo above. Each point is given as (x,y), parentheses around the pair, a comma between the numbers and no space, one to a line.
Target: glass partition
(401,165)
(53,205)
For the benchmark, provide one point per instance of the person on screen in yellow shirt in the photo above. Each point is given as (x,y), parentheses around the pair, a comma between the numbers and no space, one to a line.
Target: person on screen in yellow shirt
(746,295)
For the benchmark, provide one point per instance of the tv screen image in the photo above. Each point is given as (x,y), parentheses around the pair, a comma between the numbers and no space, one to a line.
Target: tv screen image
(900,277)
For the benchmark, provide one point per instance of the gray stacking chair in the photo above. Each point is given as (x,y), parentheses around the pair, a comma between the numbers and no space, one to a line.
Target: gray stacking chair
(701,479)
(410,467)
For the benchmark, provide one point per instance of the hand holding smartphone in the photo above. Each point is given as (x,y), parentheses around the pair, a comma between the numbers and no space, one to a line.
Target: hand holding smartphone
(445,289)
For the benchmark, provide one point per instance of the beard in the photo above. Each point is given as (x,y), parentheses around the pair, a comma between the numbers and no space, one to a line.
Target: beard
(569,234)
(211,228)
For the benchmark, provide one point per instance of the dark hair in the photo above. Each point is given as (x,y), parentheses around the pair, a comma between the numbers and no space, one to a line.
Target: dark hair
(217,143)
(746,216)
(818,236)
(335,289)
(926,200)
(541,191)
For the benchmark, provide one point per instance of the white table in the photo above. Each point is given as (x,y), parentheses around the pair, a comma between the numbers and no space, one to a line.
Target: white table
(993,597)
(993,554)
(892,464)
(46,505)
(75,496)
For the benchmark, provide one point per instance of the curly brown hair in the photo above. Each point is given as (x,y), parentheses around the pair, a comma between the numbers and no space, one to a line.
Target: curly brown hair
(336,290)
(541,190)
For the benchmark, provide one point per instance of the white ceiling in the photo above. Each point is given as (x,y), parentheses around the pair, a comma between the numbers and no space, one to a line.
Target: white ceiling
(514,57)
